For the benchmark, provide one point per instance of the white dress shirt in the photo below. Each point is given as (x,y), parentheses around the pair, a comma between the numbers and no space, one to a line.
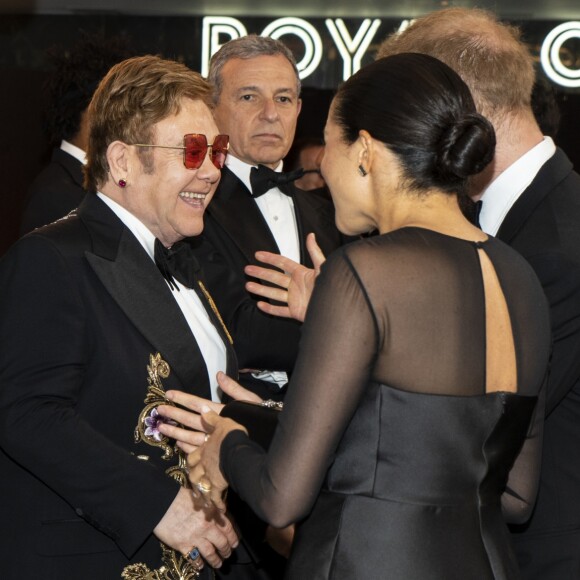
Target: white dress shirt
(75,151)
(208,339)
(505,190)
(278,211)
(276,207)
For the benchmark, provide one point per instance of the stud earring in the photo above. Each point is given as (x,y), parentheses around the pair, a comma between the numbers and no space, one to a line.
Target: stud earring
(122,183)
(362,171)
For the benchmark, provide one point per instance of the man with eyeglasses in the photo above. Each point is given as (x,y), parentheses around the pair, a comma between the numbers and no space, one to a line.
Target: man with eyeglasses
(100,313)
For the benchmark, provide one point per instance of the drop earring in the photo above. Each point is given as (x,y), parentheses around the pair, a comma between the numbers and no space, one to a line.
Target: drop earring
(122,183)
(362,171)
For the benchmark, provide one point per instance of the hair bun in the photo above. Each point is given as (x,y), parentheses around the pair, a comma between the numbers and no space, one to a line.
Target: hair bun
(466,147)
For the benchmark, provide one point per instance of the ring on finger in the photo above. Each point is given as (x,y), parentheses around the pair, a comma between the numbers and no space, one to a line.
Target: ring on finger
(203,487)
(195,556)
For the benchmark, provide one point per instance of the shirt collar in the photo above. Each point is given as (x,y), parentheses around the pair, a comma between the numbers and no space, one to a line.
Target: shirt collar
(137,227)
(241,169)
(75,151)
(505,190)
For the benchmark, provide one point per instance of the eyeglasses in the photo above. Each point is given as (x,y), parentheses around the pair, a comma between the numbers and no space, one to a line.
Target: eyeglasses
(195,149)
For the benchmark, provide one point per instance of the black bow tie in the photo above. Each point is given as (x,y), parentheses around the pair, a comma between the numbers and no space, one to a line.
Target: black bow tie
(264,179)
(177,262)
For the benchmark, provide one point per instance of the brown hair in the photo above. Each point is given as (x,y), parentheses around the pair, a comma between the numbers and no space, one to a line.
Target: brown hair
(135,95)
(246,47)
(487,54)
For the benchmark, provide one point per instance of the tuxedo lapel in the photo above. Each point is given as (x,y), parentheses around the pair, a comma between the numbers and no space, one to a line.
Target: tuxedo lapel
(234,209)
(134,282)
(550,175)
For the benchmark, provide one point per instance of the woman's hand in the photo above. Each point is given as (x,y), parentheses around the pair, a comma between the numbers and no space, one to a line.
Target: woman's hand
(294,284)
(205,475)
(192,431)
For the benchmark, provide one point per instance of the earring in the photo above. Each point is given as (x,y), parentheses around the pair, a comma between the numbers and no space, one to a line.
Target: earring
(362,171)
(122,183)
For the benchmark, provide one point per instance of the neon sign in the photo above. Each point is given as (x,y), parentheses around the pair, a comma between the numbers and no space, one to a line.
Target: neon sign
(351,49)
(352,46)
(550,55)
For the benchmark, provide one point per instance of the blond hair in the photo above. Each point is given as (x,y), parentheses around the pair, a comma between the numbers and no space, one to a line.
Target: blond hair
(135,95)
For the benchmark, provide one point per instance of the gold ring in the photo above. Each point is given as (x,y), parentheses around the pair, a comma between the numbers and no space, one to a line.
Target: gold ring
(203,488)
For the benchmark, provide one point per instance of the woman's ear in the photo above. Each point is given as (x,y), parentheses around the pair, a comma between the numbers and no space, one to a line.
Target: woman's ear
(118,158)
(366,151)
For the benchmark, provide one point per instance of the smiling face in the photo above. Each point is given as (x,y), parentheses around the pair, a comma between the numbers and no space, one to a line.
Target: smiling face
(168,198)
(258,108)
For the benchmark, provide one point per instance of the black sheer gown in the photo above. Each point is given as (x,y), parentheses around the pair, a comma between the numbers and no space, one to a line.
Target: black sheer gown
(393,452)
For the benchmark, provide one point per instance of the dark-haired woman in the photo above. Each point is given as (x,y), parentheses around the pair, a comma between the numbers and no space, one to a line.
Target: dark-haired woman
(412,427)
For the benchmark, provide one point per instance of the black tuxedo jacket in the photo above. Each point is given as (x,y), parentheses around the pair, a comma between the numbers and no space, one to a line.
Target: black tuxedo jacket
(234,231)
(57,190)
(82,306)
(544,226)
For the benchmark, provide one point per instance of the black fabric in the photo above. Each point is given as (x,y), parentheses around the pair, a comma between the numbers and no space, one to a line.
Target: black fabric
(471,209)
(544,227)
(389,451)
(177,262)
(263,179)
(56,190)
(260,421)
(82,308)
(477,212)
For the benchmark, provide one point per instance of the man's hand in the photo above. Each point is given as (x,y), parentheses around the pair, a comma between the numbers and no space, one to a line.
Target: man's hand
(295,283)
(186,525)
(204,463)
(191,436)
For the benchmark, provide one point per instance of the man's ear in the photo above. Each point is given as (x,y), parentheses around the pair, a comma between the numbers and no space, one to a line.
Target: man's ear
(118,158)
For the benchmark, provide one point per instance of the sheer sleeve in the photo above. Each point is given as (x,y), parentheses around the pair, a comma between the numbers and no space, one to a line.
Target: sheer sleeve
(518,499)
(407,311)
(339,344)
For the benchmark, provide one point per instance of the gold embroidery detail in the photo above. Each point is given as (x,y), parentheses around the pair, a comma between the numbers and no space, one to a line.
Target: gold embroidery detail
(175,566)
(215,310)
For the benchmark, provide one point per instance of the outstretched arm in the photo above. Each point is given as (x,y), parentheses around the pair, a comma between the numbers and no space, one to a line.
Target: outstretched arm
(335,363)
(293,286)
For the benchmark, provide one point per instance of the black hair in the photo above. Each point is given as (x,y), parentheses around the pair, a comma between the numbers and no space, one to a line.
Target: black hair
(424,113)
(76,72)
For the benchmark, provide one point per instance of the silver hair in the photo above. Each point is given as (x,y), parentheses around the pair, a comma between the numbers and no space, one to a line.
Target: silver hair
(247,47)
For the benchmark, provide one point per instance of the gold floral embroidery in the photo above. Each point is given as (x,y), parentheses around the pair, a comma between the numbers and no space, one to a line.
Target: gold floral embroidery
(175,566)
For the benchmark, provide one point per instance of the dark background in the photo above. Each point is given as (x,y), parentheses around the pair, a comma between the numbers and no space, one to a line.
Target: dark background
(24,39)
